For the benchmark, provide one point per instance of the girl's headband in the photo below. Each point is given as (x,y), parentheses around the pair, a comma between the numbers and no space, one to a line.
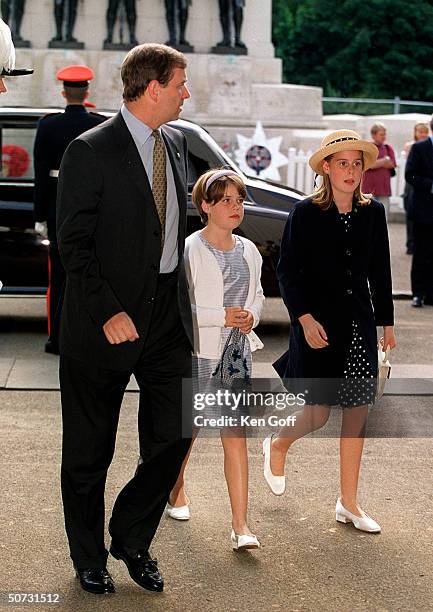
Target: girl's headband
(219,175)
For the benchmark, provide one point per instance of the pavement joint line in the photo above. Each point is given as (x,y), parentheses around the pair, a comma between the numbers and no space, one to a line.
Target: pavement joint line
(8,373)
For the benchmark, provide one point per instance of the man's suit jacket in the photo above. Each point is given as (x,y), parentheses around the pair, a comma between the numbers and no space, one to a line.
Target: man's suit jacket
(109,240)
(419,174)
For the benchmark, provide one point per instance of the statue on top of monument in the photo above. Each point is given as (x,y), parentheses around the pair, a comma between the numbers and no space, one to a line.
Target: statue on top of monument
(176,13)
(232,10)
(65,12)
(131,17)
(12,13)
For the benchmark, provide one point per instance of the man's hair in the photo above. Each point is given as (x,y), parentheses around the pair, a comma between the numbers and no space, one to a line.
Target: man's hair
(75,95)
(146,63)
(376,127)
(216,190)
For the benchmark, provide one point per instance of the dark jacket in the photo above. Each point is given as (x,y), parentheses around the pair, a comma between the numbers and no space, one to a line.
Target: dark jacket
(337,278)
(109,240)
(419,174)
(53,135)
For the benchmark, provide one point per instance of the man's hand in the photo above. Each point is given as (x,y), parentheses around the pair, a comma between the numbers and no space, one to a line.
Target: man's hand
(314,333)
(120,328)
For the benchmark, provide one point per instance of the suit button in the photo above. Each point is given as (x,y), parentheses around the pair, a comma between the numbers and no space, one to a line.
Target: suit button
(349,252)
(349,291)
(153,267)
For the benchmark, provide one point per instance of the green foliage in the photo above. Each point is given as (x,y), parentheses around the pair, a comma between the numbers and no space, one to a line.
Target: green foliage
(370,48)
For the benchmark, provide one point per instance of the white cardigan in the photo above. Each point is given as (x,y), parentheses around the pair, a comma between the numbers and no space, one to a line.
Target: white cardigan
(206,292)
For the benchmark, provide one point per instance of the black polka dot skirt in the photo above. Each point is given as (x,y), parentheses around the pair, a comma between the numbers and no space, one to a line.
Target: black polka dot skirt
(358,386)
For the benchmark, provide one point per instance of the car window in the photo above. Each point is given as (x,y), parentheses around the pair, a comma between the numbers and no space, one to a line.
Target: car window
(200,157)
(17,153)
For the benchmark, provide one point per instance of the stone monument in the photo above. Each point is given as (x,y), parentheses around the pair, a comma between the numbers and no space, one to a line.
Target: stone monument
(65,14)
(176,14)
(128,10)
(231,12)
(12,13)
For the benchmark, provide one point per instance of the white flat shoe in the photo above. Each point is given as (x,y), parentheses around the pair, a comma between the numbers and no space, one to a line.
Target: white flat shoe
(180,513)
(363,523)
(277,484)
(244,542)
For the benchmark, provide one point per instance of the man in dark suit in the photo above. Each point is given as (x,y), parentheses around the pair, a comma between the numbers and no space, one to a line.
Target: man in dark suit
(121,227)
(55,132)
(419,174)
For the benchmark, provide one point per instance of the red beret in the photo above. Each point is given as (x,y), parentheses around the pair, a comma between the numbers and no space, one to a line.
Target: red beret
(75,75)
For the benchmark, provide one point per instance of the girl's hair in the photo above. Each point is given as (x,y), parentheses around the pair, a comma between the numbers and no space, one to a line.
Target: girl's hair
(323,196)
(216,190)
(420,126)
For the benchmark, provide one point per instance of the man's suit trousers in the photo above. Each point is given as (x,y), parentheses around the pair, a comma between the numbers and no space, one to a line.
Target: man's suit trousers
(91,399)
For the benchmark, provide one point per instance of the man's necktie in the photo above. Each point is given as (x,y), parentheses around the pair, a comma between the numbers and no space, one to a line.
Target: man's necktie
(159,181)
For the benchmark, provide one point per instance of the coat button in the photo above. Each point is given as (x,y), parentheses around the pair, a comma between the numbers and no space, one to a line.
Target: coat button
(349,291)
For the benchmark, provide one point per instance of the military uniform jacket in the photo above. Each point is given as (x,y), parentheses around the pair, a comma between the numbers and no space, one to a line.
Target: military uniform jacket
(109,238)
(54,133)
(337,278)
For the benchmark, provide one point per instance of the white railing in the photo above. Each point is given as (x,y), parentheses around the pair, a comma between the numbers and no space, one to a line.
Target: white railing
(300,175)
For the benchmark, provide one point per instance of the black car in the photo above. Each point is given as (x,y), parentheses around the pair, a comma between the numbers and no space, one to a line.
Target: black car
(24,254)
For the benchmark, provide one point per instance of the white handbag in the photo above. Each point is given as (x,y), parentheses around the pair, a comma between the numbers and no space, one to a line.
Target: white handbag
(384,370)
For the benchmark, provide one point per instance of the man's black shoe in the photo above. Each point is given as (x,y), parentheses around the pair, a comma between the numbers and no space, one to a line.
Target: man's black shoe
(52,348)
(141,567)
(96,580)
(417,301)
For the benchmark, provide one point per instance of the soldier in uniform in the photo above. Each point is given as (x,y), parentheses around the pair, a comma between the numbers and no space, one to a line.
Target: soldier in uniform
(179,9)
(237,9)
(131,18)
(17,15)
(7,57)
(55,132)
(59,14)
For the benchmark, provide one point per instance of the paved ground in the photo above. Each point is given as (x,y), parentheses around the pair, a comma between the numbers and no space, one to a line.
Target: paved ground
(308,562)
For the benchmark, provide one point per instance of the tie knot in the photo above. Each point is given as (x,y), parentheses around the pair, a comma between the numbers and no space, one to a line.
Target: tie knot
(156,134)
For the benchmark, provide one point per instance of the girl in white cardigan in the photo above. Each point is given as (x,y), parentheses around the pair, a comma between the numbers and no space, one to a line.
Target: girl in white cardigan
(223,273)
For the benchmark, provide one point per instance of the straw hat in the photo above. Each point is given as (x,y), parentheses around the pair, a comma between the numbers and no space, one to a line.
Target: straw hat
(343,140)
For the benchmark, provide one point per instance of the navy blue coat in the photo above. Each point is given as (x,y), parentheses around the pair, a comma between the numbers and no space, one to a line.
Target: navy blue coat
(419,174)
(337,278)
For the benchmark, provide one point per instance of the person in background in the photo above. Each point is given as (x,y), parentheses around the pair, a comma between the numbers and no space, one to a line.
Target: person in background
(420,132)
(54,133)
(377,179)
(419,174)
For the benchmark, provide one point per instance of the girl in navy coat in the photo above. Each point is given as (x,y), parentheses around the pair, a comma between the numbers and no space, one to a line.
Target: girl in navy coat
(335,279)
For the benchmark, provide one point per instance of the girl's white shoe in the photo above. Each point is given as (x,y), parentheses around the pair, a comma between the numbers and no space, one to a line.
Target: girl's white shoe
(363,523)
(277,484)
(180,513)
(243,542)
